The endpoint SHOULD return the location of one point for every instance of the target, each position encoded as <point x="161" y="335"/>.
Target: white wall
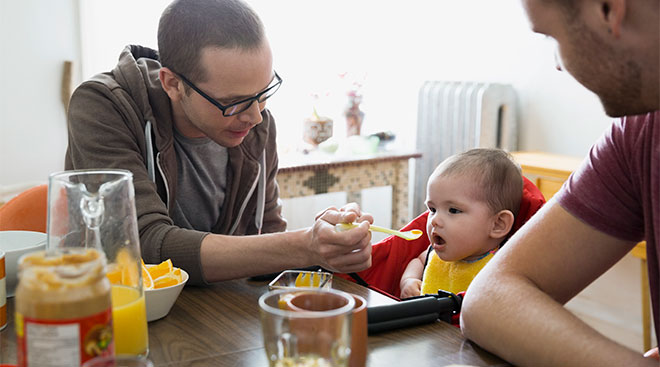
<point x="401" y="44"/>
<point x="36" y="37"/>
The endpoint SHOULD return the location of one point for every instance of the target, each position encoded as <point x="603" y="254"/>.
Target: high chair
<point x="27" y="211"/>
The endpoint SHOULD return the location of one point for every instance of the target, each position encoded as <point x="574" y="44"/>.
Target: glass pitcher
<point x="96" y="209"/>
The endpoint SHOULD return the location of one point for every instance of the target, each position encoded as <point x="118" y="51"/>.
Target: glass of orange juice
<point x="96" y="209"/>
<point x="129" y="320"/>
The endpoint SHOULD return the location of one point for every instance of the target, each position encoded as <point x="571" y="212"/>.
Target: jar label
<point x="69" y="342"/>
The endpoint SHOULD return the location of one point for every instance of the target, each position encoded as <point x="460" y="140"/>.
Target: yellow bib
<point x="452" y="276"/>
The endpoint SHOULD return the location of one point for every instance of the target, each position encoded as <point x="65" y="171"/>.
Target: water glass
<point x="319" y="335"/>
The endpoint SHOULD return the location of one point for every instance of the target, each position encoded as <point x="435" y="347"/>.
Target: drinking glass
<point x="96" y="209"/>
<point x="318" y="335"/>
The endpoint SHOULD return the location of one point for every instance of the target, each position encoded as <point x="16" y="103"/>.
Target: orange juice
<point x="129" y="321"/>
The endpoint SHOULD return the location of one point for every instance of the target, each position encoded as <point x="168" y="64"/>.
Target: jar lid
<point x="61" y="269"/>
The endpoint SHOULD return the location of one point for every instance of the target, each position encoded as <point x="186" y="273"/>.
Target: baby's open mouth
<point x="437" y="239"/>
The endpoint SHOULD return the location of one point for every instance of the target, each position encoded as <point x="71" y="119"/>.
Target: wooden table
<point x="219" y="326"/>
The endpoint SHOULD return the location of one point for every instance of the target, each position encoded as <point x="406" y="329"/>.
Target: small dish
<point x="16" y="244"/>
<point x="291" y="279"/>
<point x="160" y="301"/>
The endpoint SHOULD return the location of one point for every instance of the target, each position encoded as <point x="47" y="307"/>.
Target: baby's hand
<point x="411" y="287"/>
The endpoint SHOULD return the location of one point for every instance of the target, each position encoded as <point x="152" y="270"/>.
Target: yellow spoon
<point x="407" y="235"/>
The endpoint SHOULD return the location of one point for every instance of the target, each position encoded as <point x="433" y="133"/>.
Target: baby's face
<point x="458" y="224"/>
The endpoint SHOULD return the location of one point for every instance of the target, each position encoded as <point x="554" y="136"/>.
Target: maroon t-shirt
<point x="617" y="190"/>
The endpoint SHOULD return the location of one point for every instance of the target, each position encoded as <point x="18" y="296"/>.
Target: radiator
<point x="456" y="116"/>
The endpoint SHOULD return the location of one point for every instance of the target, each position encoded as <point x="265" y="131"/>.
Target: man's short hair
<point x="188" y="26"/>
<point x="496" y="174"/>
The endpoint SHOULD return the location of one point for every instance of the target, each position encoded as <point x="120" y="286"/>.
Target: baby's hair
<point x="495" y="172"/>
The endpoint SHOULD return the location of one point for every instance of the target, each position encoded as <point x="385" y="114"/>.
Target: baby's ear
<point x="502" y="223"/>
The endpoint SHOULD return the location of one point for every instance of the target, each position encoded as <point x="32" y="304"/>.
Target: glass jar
<point x="63" y="308"/>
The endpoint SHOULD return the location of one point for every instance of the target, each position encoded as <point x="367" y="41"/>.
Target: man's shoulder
<point x="629" y="139"/>
<point x="607" y="191"/>
<point x="633" y="127"/>
<point x="136" y="74"/>
<point x="102" y="81"/>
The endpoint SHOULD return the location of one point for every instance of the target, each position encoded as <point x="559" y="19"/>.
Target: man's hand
<point x="347" y="209"/>
<point x="347" y="251"/>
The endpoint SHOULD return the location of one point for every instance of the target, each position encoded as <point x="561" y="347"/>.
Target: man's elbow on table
<point x="479" y="310"/>
<point x="470" y="311"/>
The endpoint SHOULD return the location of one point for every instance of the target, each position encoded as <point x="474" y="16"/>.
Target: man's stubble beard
<point x="611" y="74"/>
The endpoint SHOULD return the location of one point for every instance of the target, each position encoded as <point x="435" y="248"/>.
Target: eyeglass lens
<point x="236" y="109"/>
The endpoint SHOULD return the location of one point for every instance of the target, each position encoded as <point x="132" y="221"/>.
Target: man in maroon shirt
<point x="514" y="307"/>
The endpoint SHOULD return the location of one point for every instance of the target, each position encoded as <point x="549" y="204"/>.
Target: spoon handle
<point x="384" y="230"/>
<point x="346" y="226"/>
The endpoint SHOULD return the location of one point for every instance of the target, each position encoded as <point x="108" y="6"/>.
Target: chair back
<point x="27" y="211"/>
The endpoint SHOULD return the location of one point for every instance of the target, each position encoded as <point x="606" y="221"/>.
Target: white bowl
<point x="160" y="301"/>
<point x="16" y="244"/>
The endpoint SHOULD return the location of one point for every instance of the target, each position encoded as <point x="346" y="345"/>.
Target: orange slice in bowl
<point x="124" y="270"/>
<point x="166" y="280"/>
<point x="177" y="273"/>
<point x="161" y="269"/>
<point x="162" y="275"/>
<point x="147" y="281"/>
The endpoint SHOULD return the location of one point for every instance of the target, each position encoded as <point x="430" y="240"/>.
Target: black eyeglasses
<point x="242" y="105"/>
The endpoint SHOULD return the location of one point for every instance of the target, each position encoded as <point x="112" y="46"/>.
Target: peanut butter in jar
<point x="63" y="308"/>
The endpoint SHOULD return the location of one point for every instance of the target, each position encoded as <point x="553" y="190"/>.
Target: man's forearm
<point x="512" y="318"/>
<point x="230" y="257"/>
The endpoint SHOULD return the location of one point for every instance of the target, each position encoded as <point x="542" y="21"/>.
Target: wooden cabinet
<point x="549" y="171"/>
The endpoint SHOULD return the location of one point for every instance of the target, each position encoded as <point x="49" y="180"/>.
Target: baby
<point x="472" y="198"/>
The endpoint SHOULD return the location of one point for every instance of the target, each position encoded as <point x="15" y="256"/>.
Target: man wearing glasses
<point x="190" y="121"/>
